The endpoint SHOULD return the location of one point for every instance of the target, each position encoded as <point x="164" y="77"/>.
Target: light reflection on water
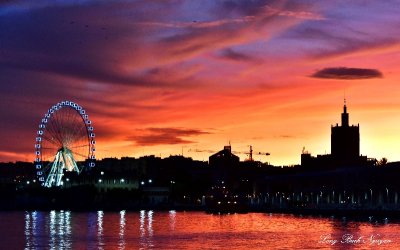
<point x="121" y="243"/>
<point x="189" y="230"/>
<point x="100" y="215"/>
<point x="146" y="229"/>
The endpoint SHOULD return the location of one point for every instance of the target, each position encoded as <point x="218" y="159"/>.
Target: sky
<point x="171" y="77"/>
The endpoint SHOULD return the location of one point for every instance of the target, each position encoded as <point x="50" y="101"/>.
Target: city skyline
<point x="172" y="77"/>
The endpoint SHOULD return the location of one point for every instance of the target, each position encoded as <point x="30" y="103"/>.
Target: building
<point x="224" y="165"/>
<point x="224" y="159"/>
<point x="345" y="141"/>
<point x="345" y="148"/>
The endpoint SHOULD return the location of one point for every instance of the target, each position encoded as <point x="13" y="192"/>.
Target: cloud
<point x="285" y="136"/>
<point x="196" y="150"/>
<point x="163" y="136"/>
<point x="199" y="24"/>
<point x="233" y="55"/>
<point x="347" y="73"/>
<point x="295" y="14"/>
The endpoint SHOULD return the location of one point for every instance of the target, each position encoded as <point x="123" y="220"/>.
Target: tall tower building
<point x="345" y="141"/>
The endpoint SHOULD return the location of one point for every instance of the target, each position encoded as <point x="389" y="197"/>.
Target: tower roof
<point x="345" y="115"/>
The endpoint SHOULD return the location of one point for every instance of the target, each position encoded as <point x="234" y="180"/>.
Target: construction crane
<point x="250" y="153"/>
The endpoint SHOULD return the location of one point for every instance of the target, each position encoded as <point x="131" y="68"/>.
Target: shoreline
<point x="348" y="214"/>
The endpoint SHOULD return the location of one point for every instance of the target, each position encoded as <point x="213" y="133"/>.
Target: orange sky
<point x="164" y="78"/>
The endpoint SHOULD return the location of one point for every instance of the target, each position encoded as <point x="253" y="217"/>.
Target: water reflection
<point x="121" y="242"/>
<point x="100" y="215"/>
<point x="54" y="226"/>
<point x="150" y="223"/>
<point x="172" y="219"/>
<point x="52" y="229"/>
<point x="146" y="229"/>
<point x="30" y="229"/>
<point x="192" y="230"/>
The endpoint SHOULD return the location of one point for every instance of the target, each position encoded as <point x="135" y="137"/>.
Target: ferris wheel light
<point x="63" y="128"/>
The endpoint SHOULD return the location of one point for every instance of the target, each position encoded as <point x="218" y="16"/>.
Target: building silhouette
<point x="224" y="165"/>
<point x="345" y="147"/>
<point x="224" y="159"/>
<point x="345" y="141"/>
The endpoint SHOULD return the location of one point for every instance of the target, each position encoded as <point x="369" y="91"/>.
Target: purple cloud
<point x="347" y="73"/>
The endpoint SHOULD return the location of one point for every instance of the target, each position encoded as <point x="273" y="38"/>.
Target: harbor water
<point x="148" y="229"/>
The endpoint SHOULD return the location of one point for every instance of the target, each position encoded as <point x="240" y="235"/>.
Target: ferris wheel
<point x="65" y="142"/>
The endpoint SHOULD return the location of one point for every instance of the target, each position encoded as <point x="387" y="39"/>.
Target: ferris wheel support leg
<point x="74" y="163"/>
<point x="53" y="171"/>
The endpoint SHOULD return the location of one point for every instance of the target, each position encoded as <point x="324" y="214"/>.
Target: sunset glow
<point x="170" y="77"/>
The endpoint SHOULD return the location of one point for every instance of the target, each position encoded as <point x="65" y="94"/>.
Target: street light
<point x="371" y="194"/>
<point x="387" y="195"/>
